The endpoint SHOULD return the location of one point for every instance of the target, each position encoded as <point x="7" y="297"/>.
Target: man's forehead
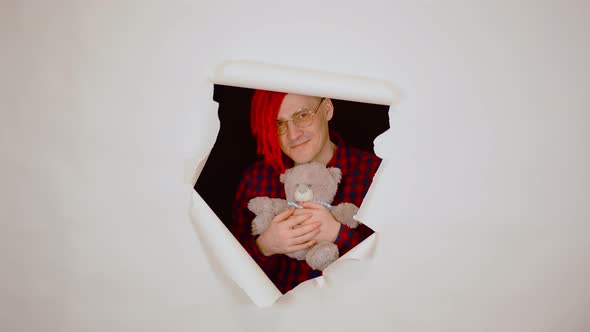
<point x="293" y="103"/>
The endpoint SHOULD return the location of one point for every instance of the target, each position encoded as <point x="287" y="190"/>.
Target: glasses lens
<point x="282" y="127"/>
<point x="303" y="119"/>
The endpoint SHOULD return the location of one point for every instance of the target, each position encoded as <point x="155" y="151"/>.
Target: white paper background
<point x="484" y="193"/>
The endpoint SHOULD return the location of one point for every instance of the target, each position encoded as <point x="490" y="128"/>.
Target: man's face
<point x="312" y="142"/>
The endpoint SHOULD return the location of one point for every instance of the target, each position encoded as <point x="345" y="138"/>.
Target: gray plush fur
<point x="306" y="182"/>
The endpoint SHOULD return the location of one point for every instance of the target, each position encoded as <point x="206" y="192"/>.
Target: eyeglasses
<point x="300" y="119"/>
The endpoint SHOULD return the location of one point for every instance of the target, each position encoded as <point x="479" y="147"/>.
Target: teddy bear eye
<point x="309" y="186"/>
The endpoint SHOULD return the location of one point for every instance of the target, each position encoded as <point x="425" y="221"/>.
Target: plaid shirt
<point x="260" y="179"/>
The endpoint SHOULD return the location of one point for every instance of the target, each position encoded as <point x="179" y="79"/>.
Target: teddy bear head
<point x="311" y="182"/>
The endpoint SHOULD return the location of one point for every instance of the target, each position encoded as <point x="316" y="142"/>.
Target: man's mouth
<point x="298" y="145"/>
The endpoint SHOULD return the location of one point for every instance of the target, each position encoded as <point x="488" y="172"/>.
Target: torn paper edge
<point x="230" y="256"/>
<point x="223" y="247"/>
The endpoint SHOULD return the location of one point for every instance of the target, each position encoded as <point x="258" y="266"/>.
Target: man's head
<point x="294" y="124"/>
<point x="303" y="128"/>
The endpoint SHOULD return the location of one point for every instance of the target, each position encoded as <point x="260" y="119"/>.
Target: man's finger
<point x="295" y="220"/>
<point x="305" y="237"/>
<point x="301" y="246"/>
<point x="312" y="205"/>
<point x="284" y="215"/>
<point x="302" y="211"/>
<point x="298" y="231"/>
<point x="306" y="222"/>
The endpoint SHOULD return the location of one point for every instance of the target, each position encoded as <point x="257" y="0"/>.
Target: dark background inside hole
<point x="235" y="149"/>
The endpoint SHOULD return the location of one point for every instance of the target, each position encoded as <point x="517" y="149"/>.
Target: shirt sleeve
<point x="366" y="168"/>
<point x="348" y="237"/>
<point x="241" y="226"/>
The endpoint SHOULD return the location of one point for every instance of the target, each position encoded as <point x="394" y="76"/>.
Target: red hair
<point x="264" y="110"/>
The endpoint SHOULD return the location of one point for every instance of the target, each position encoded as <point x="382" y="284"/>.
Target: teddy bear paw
<point x="344" y="213"/>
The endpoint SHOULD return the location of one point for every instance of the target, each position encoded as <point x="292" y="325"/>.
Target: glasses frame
<point x="311" y="113"/>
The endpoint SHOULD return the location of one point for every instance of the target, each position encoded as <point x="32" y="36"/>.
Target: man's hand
<point x="329" y="228"/>
<point x="286" y="234"/>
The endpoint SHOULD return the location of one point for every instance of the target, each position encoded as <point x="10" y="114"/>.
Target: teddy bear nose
<point x="303" y="193"/>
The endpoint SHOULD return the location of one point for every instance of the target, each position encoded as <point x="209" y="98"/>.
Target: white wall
<point x="483" y="197"/>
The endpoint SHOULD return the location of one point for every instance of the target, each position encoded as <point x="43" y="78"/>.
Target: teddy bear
<point x="304" y="183"/>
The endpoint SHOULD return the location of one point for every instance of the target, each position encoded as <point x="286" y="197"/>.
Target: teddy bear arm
<point x="344" y="213"/>
<point x="261" y="204"/>
<point x="261" y="222"/>
<point x="279" y="205"/>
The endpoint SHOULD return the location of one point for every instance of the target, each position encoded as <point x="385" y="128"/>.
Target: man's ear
<point x="329" y="107"/>
<point x="335" y="173"/>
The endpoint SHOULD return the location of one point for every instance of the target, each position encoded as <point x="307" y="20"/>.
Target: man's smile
<point x="299" y="145"/>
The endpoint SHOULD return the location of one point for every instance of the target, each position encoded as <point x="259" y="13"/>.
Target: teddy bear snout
<point x="303" y="193"/>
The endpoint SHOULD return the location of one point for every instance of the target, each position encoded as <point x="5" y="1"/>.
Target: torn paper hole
<point x="223" y="248"/>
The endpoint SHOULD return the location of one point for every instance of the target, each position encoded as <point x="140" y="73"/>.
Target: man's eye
<point x="302" y="115"/>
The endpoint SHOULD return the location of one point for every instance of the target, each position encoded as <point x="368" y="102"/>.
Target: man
<point x="293" y="129"/>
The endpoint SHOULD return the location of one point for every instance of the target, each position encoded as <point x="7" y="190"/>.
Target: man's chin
<point x="300" y="159"/>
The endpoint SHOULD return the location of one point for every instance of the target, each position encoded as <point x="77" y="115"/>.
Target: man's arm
<point x="333" y="231"/>
<point x="241" y="226"/>
<point x="361" y="173"/>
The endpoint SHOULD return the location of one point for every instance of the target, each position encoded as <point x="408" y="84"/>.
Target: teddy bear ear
<point x="335" y="173"/>
<point x="283" y="177"/>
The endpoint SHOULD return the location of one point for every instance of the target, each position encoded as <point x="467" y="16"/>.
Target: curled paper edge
<point x="229" y="254"/>
<point x="255" y="75"/>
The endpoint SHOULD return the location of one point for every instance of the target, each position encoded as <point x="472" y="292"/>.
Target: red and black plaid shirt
<point x="260" y="179"/>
